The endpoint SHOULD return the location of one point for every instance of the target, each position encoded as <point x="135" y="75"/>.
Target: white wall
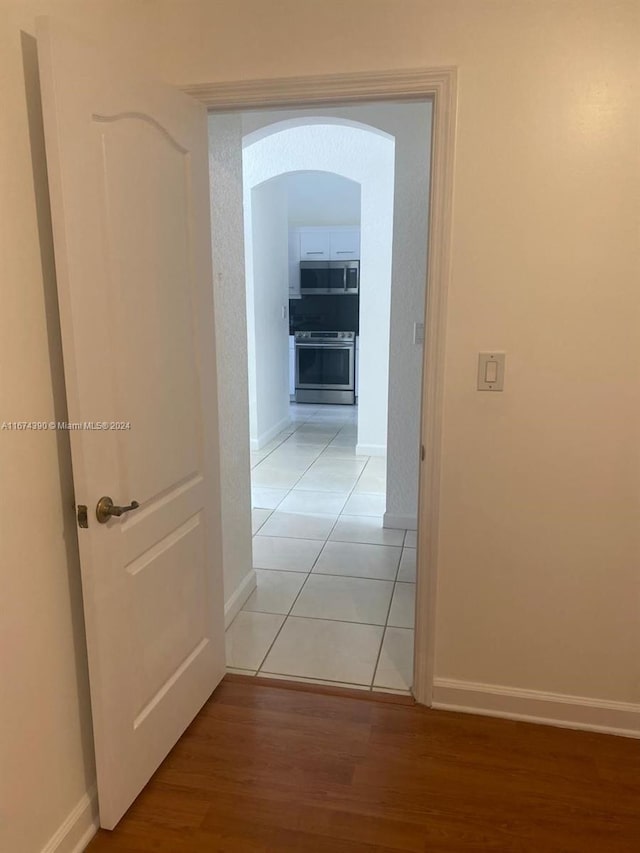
<point x="321" y="198"/>
<point x="365" y="157"/>
<point x="548" y="132"/>
<point x="267" y="289"/>
<point x="225" y="178"/>
<point x="410" y="125"/>
<point x="46" y="748"/>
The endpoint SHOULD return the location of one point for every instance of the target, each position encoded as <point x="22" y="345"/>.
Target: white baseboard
<point x="259" y="442"/>
<point x="400" y="522"/>
<point x="238" y="597"/>
<point x="554" y="709"/>
<point x="78" y="828"/>
<point x="371" y="449"/>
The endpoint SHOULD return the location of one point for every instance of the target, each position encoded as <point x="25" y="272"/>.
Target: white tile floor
<point x="335" y="597"/>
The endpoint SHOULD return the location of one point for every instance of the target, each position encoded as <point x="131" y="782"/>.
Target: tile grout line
<point x="386" y="621"/>
<point x="280" y="443"/>
<point x="301" y="475"/>
<point x="338" y="517"/>
<point x="288" y="614"/>
<point x="288" y="491"/>
<point x="349" y="494"/>
<point x="332" y="574"/>
<point x="326" y="539"/>
<point x="258" y="530"/>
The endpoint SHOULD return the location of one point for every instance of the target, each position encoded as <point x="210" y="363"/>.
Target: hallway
<point x="335" y="596"/>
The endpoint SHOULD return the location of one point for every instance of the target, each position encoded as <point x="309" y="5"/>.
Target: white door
<point x="128" y="175"/>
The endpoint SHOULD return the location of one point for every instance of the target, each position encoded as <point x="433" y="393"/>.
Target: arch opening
<point x="283" y="165"/>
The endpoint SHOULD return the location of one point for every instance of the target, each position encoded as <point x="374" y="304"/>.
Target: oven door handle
<point x="326" y="346"/>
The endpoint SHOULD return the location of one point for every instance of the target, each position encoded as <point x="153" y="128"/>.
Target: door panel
<point x="128" y="174"/>
<point x="314" y="245"/>
<point x="147" y="258"/>
<point x="168" y="610"/>
<point x="344" y="245"/>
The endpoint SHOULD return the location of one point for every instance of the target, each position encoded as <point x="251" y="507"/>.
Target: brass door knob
<point x="106" y="509"/>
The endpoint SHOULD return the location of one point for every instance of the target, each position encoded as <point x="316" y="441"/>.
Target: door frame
<point x="438" y="85"/>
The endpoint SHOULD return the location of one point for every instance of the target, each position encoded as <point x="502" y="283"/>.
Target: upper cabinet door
<point x="344" y="245"/>
<point x="314" y="245"/>
<point x="128" y="173"/>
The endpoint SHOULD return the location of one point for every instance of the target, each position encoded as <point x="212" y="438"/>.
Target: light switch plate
<point x="418" y="333"/>
<point x="491" y="371"/>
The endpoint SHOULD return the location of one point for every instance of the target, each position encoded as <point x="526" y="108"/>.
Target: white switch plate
<point x="418" y="333"/>
<point x="490" y="365"/>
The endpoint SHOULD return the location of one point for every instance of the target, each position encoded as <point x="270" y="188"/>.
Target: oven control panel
<point x="325" y="336"/>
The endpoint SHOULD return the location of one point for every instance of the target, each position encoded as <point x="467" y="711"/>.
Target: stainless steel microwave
<point x="329" y="277"/>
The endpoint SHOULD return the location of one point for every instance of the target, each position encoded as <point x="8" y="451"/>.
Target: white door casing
<point x="438" y="85"/>
<point x="128" y="175"/>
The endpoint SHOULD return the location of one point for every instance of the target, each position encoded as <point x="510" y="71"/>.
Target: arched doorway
<point x="363" y="155"/>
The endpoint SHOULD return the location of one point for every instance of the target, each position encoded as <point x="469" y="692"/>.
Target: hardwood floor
<point x="264" y="768"/>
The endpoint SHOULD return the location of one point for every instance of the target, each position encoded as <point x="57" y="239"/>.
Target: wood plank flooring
<point x="264" y="768"/>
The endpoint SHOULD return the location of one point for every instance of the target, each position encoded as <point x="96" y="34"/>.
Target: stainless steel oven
<point x="325" y="367"/>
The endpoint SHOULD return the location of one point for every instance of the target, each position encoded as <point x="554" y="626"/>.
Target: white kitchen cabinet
<point x="292" y="367"/>
<point x="344" y="245"/>
<point x="357" y="376"/>
<point x="315" y="245"/>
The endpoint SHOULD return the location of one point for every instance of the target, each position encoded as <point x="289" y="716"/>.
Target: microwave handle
<point x="344" y="279"/>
